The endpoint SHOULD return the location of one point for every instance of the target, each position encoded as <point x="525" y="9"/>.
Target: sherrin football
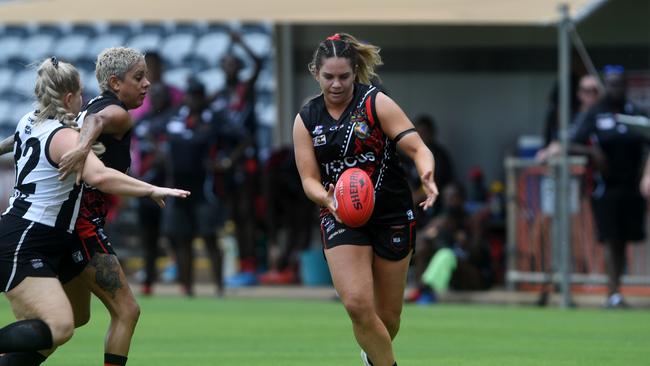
<point x="354" y="194"/>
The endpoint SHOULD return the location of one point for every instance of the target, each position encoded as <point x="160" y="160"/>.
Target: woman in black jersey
<point x="93" y="266"/>
<point x="36" y="231"/>
<point x="352" y="124"/>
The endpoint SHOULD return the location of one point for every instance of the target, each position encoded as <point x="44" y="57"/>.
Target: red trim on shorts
<point x="85" y="229"/>
<point x="411" y="227"/>
<point x="83" y="243"/>
<point x="102" y="245"/>
<point x="322" y="237"/>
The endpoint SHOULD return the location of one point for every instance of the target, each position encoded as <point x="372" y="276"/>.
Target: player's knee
<point x="391" y="320"/>
<point x="62" y="328"/>
<point x="359" y="308"/>
<point x="128" y="311"/>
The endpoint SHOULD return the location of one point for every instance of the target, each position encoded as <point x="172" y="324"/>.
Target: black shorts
<point x="30" y="249"/>
<point x="389" y="241"/>
<point x="620" y="215"/>
<point x="91" y="239"/>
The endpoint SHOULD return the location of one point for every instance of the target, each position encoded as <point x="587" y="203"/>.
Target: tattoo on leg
<point x="107" y="274"/>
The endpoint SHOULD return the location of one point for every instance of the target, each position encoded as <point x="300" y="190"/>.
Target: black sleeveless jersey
<point x="118" y="152"/>
<point x="357" y="140"/>
<point x="94" y="204"/>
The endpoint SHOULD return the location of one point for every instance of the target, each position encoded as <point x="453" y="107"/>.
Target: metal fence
<point x="532" y="252"/>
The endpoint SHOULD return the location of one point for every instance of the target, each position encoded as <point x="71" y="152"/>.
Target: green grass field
<point x="205" y="331"/>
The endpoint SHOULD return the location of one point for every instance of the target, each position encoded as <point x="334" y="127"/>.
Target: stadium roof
<point x="450" y="12"/>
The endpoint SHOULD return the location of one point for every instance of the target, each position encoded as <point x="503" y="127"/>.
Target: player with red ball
<point x="350" y="126"/>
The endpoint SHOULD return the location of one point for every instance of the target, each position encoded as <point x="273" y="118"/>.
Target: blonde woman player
<point x="36" y="230"/>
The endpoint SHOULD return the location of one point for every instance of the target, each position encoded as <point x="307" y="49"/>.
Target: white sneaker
<point x="615" y="301"/>
<point x="364" y="358"/>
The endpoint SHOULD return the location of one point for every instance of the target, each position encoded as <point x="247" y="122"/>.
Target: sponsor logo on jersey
<point x="337" y="166"/>
<point x="320" y="140"/>
<point x="361" y="130"/>
<point x="28" y="130"/>
<point x="317" y="130"/>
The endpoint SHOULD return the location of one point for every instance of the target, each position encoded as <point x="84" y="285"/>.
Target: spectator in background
<point x="617" y="155"/>
<point x="588" y="94"/>
<point x="551" y="121"/>
<point x="462" y="257"/>
<point x="444" y="174"/>
<point x="456" y="250"/>
<point x="149" y="166"/>
<point x="619" y="208"/>
<point x="287" y="208"/>
<point x="155" y="69"/>
<point x="237" y="161"/>
<point x="190" y="139"/>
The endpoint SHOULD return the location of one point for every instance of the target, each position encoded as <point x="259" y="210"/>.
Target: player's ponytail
<point x="364" y="57"/>
<point x="54" y="80"/>
<point x="367" y="59"/>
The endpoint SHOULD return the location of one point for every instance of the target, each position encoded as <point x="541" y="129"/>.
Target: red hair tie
<point x="336" y="37"/>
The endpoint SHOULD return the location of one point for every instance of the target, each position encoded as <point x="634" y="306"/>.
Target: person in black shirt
<point x="93" y="266"/>
<point x="149" y="165"/>
<point x="190" y="139"/>
<point x="617" y="153"/>
<point x="352" y="124"/>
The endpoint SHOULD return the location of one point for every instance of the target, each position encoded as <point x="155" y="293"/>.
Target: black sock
<point x="22" y="359"/>
<point x="114" y="360"/>
<point x="25" y="335"/>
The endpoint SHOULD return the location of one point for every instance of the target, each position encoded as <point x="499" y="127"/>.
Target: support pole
<point x="564" y="229"/>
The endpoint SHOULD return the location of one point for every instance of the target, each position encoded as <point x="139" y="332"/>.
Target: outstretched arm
<point x="106" y="179"/>
<point x="7" y="145"/>
<point x="111" y="181"/>
<point x="257" y="61"/>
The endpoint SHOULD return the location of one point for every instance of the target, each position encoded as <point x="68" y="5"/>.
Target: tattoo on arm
<point x="107" y="275"/>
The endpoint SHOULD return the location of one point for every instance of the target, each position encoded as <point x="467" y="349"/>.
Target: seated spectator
<point x="444" y="173"/>
<point x="461" y="259"/>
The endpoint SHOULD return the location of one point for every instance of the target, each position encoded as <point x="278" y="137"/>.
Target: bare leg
<point x="44" y="299"/>
<point x="389" y="283"/>
<point x="105" y="278"/>
<point x="352" y="272"/>
<point x="79" y="295"/>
